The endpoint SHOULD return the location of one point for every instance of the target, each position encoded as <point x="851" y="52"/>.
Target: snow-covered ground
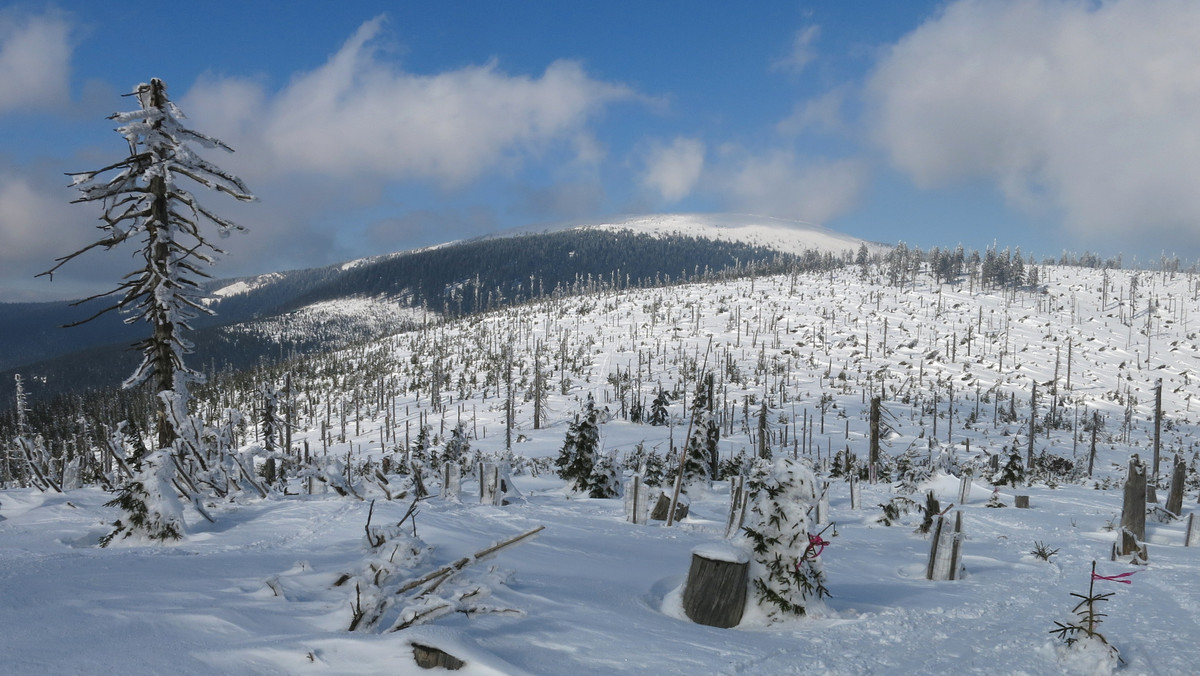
<point x="256" y="592"/>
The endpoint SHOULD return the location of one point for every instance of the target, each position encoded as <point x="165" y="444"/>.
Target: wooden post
<point x="822" y="506"/>
<point x="855" y="493"/>
<point x="964" y="489"/>
<point x="636" y="504"/>
<point x="715" y="592"/>
<point x="451" y="480"/>
<point x="1157" y="423"/>
<point x="945" y="550"/>
<point x="1032" y="425"/>
<point x="873" y="458"/>
<point x="1192" y="534"/>
<point x="738" y="499"/>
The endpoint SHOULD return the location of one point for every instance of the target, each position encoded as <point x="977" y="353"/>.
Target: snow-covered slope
<point x="257" y="592"/>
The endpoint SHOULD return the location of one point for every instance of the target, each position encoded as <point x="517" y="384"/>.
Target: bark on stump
<point x="663" y="506"/>
<point x="715" y="592"/>
<point x="1133" y="510"/>
<point x="1175" y="497"/>
<point x="428" y="657"/>
<point x="1021" y="501"/>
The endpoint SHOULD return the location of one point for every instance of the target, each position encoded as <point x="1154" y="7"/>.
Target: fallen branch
<point x="441" y="574"/>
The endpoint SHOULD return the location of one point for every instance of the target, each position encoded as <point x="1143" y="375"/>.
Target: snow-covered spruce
<point x="785" y="572"/>
<point x="150" y="510"/>
<point x="577" y="458"/>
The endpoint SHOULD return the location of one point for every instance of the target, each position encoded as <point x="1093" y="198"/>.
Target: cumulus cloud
<point x="780" y="183"/>
<point x="35" y="55"/>
<point x="1086" y="108"/>
<point x="672" y="171"/>
<point x="358" y="115"/>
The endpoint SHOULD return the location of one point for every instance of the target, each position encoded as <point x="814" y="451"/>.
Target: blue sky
<point x="371" y="127"/>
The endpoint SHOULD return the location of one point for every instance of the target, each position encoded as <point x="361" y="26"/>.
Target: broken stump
<point x="663" y="506"/>
<point x="429" y="657"/>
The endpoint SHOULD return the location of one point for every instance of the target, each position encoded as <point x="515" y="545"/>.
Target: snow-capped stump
<point x="715" y="592"/>
<point x="429" y="657"/>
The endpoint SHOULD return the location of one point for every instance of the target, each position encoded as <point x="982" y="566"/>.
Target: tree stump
<point x="1127" y="545"/>
<point x="664" y="505"/>
<point x="428" y="657"/>
<point x="1021" y="501"/>
<point x="715" y="592"/>
<point x="1133" y="509"/>
<point x="1175" y="497"/>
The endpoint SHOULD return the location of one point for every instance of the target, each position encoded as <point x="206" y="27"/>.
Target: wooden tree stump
<point x="1021" y="501"/>
<point x="1175" y="497"/>
<point x="715" y="592"/>
<point x="664" y="505"/>
<point x="428" y="657"/>
<point x="1127" y="546"/>
<point x="1133" y="509"/>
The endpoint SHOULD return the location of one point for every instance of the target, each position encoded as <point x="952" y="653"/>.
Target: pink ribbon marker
<point x="1120" y="577"/>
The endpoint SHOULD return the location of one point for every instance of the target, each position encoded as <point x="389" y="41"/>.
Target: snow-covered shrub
<point x="785" y="571"/>
<point x="150" y="508"/>
<point x="1013" y="472"/>
<point x="603" y="482"/>
<point x="895" y="509"/>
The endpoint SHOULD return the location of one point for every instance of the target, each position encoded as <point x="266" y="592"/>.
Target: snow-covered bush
<point x="603" y="481"/>
<point x="785" y="572"/>
<point x="150" y="508"/>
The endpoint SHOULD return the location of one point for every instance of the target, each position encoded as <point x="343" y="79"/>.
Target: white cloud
<point x="1088" y="108"/>
<point x="803" y="52"/>
<point x="672" y="171"/>
<point x="35" y="55"/>
<point x="822" y="114"/>
<point x="357" y="115"/>
<point x="780" y="183"/>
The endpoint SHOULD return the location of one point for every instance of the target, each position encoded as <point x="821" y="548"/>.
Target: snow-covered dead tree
<point x="143" y="201"/>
